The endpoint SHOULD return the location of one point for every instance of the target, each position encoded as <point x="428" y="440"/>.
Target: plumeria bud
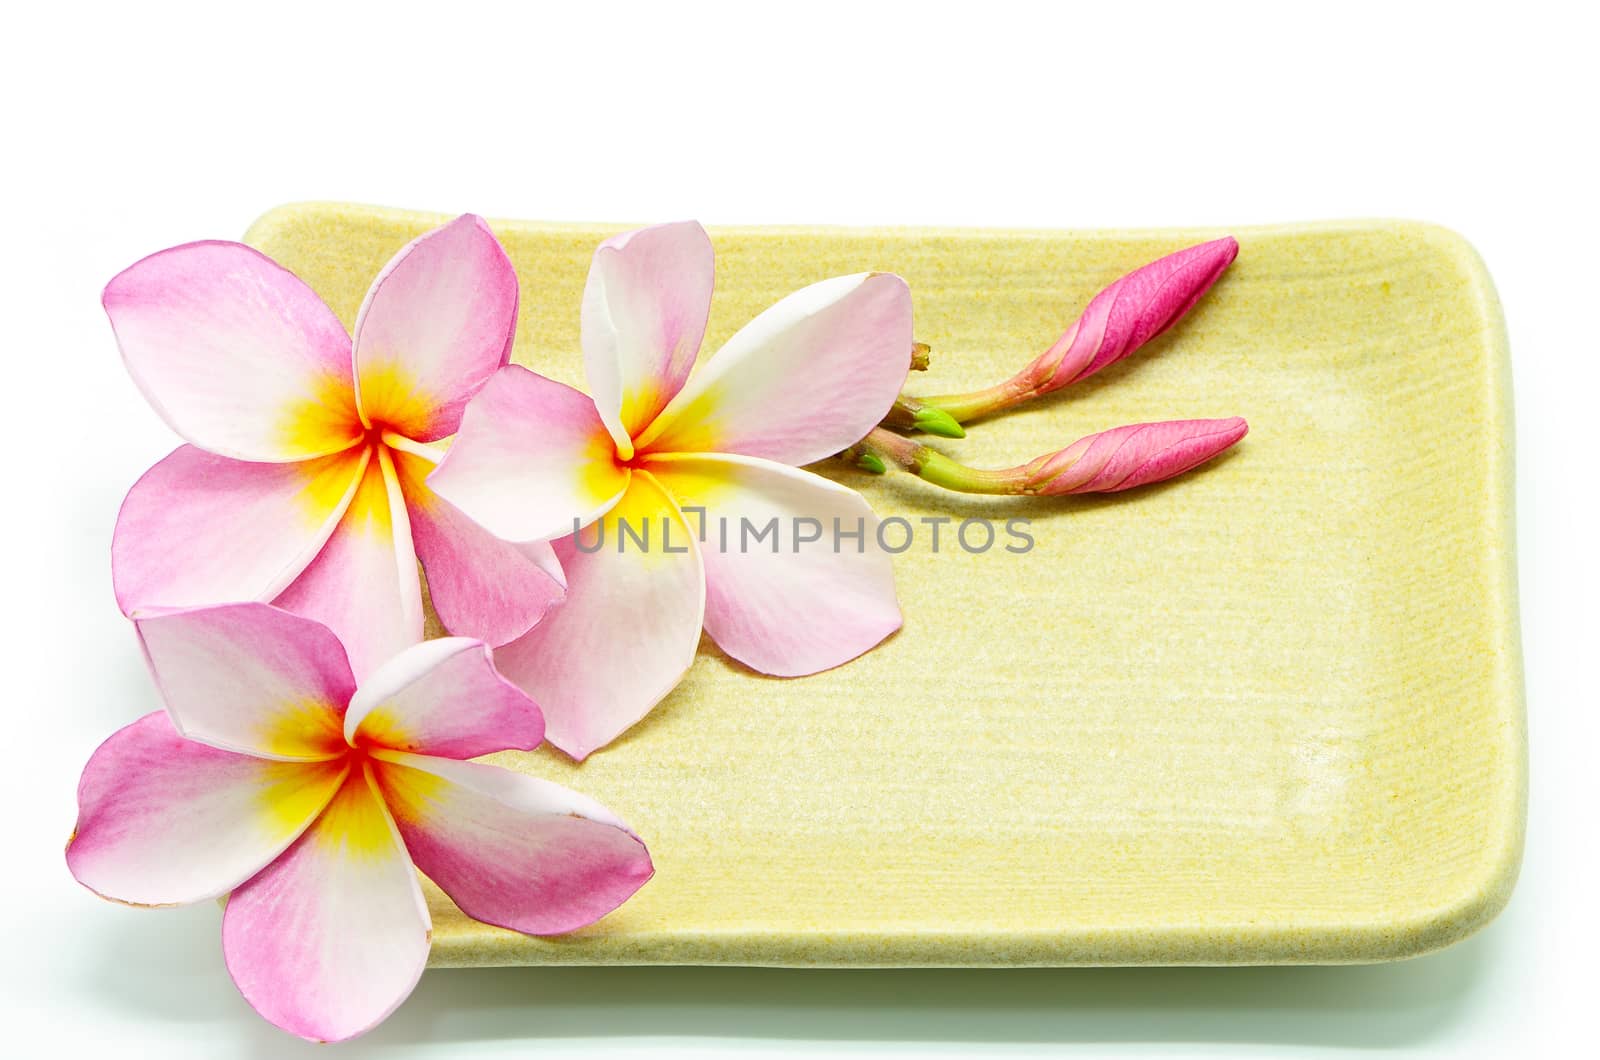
<point x="1116" y="322"/>
<point x="1131" y="312"/>
<point x="1135" y="455"/>
<point x="1118" y="459"/>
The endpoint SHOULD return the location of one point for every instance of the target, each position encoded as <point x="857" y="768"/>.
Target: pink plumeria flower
<point x="534" y="459"/>
<point x="304" y="483"/>
<point x="273" y="776"/>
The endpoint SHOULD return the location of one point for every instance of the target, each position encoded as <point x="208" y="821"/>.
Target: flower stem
<point x="916" y="413"/>
<point x="997" y="398"/>
<point x="885" y="447"/>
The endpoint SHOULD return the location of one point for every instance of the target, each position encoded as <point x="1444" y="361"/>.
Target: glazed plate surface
<point x="1270" y="712"/>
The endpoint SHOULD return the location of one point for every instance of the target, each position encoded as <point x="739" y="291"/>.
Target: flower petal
<point x="509" y="849"/>
<point x="251" y="678"/>
<point x="437" y="323"/>
<point x="203" y="529"/>
<point x="164" y="820"/>
<point x="443" y="697"/>
<point x="808" y="377"/>
<point x="628" y="630"/>
<point x="481" y="586"/>
<point x="235" y="352"/>
<point x="644" y="315"/>
<point x="796" y="581"/>
<point x="331" y="937"/>
<point x="531" y="458"/>
<point x="364" y="583"/>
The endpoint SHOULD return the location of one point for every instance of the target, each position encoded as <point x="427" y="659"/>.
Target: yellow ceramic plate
<point x="1270" y="712"/>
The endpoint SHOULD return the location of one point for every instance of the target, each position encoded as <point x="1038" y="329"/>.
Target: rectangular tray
<point x="1268" y="713"/>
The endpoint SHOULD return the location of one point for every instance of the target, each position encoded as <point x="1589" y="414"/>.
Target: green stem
<point x="966" y="407"/>
<point x="943" y="413"/>
<point x="930" y="465"/>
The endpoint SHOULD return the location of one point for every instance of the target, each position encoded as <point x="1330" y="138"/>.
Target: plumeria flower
<point x="273" y="776"/>
<point x="304" y="483"/>
<point x="1108" y="462"/>
<point x="690" y="456"/>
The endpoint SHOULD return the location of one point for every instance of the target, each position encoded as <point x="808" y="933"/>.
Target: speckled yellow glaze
<point x="1270" y="712"/>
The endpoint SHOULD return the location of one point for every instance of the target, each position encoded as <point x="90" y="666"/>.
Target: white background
<point x="129" y="130"/>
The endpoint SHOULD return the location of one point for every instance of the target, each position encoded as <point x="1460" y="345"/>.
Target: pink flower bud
<point x="1131" y="312"/>
<point x="1136" y="455"/>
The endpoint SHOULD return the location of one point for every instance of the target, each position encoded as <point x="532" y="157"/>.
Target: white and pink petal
<point x="481" y="586"/>
<point x="512" y="850"/>
<point x="236" y="353"/>
<point x="204" y="529"/>
<point x="796" y="580"/>
<point x="644" y="316"/>
<point x="808" y="377"/>
<point x="251" y="678"/>
<point x="628" y="629"/>
<point x="437" y="323"/>
<point x="532" y="459"/>
<point x="442" y="697"/>
<point x="333" y="935"/>
<point x="164" y="820"/>
<point x="364" y="583"/>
